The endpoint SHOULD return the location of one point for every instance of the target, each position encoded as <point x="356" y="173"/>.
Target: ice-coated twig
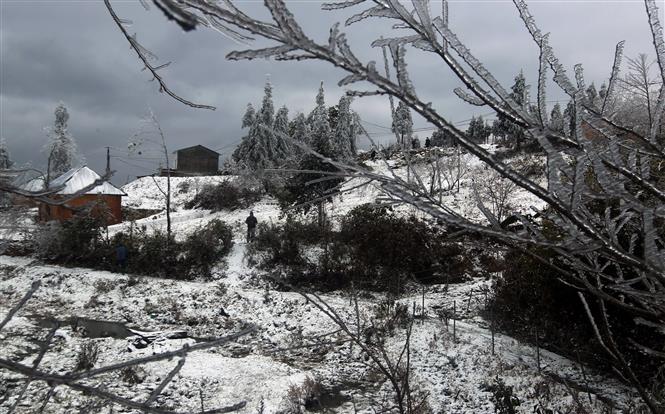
<point x="184" y="19"/>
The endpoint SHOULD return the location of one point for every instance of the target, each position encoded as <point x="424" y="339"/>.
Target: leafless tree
<point x="639" y="89"/>
<point x="613" y="253"/>
<point x="493" y="193"/>
<point x="146" y="135"/>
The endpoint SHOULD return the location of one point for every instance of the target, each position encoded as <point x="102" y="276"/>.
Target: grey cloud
<point x="72" y="51"/>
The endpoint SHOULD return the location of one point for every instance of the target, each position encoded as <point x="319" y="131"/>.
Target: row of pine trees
<point x="271" y="140"/>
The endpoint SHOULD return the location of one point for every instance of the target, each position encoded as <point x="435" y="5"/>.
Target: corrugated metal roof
<point x="79" y="178"/>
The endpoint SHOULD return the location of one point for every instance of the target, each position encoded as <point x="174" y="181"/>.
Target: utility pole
<point x="108" y="161"/>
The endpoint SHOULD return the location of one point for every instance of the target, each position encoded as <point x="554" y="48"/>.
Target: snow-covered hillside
<point x="452" y="362"/>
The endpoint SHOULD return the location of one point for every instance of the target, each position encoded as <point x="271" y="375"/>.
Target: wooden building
<point x="196" y="160"/>
<point x="78" y="192"/>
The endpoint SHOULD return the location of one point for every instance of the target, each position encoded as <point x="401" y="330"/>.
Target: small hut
<point x="196" y="160"/>
<point x="82" y="188"/>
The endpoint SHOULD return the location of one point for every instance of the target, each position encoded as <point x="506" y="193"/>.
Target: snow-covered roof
<point x="34" y="185"/>
<point x="79" y="178"/>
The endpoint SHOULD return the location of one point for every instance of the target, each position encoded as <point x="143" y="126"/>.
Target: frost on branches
<point x="5" y="159"/>
<point x="61" y="148"/>
<point x="604" y="195"/>
<point x="258" y="148"/>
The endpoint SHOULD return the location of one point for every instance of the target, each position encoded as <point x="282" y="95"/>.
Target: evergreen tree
<point x="257" y="150"/>
<point x="281" y="126"/>
<point x="441" y="138"/>
<point x="61" y="147"/>
<point x="478" y="130"/>
<point x="5" y="159"/>
<point x="502" y="127"/>
<point x="320" y="127"/>
<point x="343" y="141"/>
<point x="602" y="92"/>
<point x="556" y="119"/>
<point x="300" y="130"/>
<point x="248" y="118"/>
<point x="403" y="125"/>
<point x="592" y="94"/>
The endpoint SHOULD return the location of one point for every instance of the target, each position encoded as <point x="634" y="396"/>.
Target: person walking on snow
<point x="251" y="226"/>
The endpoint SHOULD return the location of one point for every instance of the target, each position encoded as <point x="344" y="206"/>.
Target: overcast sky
<point x="71" y="51"/>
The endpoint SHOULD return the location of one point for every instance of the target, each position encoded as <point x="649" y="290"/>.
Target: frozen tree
<point x="257" y="150"/>
<point x="344" y="135"/>
<point x="5" y="159"/>
<point x="152" y="134"/>
<point x="478" y="130"/>
<point x="301" y="131"/>
<point x="639" y="91"/>
<point x="592" y="94"/>
<point x="440" y="138"/>
<point x="320" y="126"/>
<point x="403" y="125"/>
<point x="248" y="118"/>
<point x="556" y="119"/>
<point x="282" y="148"/>
<point x="504" y="126"/>
<point x="61" y="147"/>
<point x="604" y="199"/>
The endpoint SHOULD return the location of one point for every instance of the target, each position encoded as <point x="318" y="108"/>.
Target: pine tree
<point x="556" y="118"/>
<point x="592" y="94"/>
<point x="441" y="138"/>
<point x="320" y="126"/>
<point x="257" y="149"/>
<point x="5" y="158"/>
<point x="281" y="126"/>
<point x="61" y="147"/>
<point x="403" y="125"/>
<point x="478" y="130"/>
<point x="343" y="142"/>
<point x="301" y="131"/>
<point x="248" y="118"/>
<point x="502" y="127"/>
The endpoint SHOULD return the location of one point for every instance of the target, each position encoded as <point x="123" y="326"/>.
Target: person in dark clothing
<point x="251" y="226"/>
<point x="121" y="256"/>
<point x="428" y="143"/>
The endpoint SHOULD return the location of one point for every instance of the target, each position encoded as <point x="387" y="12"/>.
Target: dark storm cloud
<point x="71" y="51"/>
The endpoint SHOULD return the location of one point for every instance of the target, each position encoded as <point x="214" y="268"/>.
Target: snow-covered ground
<point x="450" y="362"/>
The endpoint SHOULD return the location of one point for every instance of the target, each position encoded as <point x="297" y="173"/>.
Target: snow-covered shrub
<point x="87" y="356"/>
<point x="224" y="196"/>
<point x="77" y="240"/>
<point x="502" y="396"/>
<point x="133" y="375"/>
<point x="390" y="315"/>
<point x="384" y="248"/>
<point x="104" y="286"/>
<point x="284" y="243"/>
<point x="530" y="298"/>
<point x="203" y="248"/>
<point x="300" y="398"/>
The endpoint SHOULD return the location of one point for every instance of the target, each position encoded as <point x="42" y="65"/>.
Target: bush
<point x="87" y="356"/>
<point x="502" y="396"/>
<point x="374" y="249"/>
<point x="384" y="249"/>
<point x="284" y="243"/>
<point x="224" y="196"/>
<point x="530" y="297"/>
<point x="79" y="242"/>
<point x="205" y="247"/>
